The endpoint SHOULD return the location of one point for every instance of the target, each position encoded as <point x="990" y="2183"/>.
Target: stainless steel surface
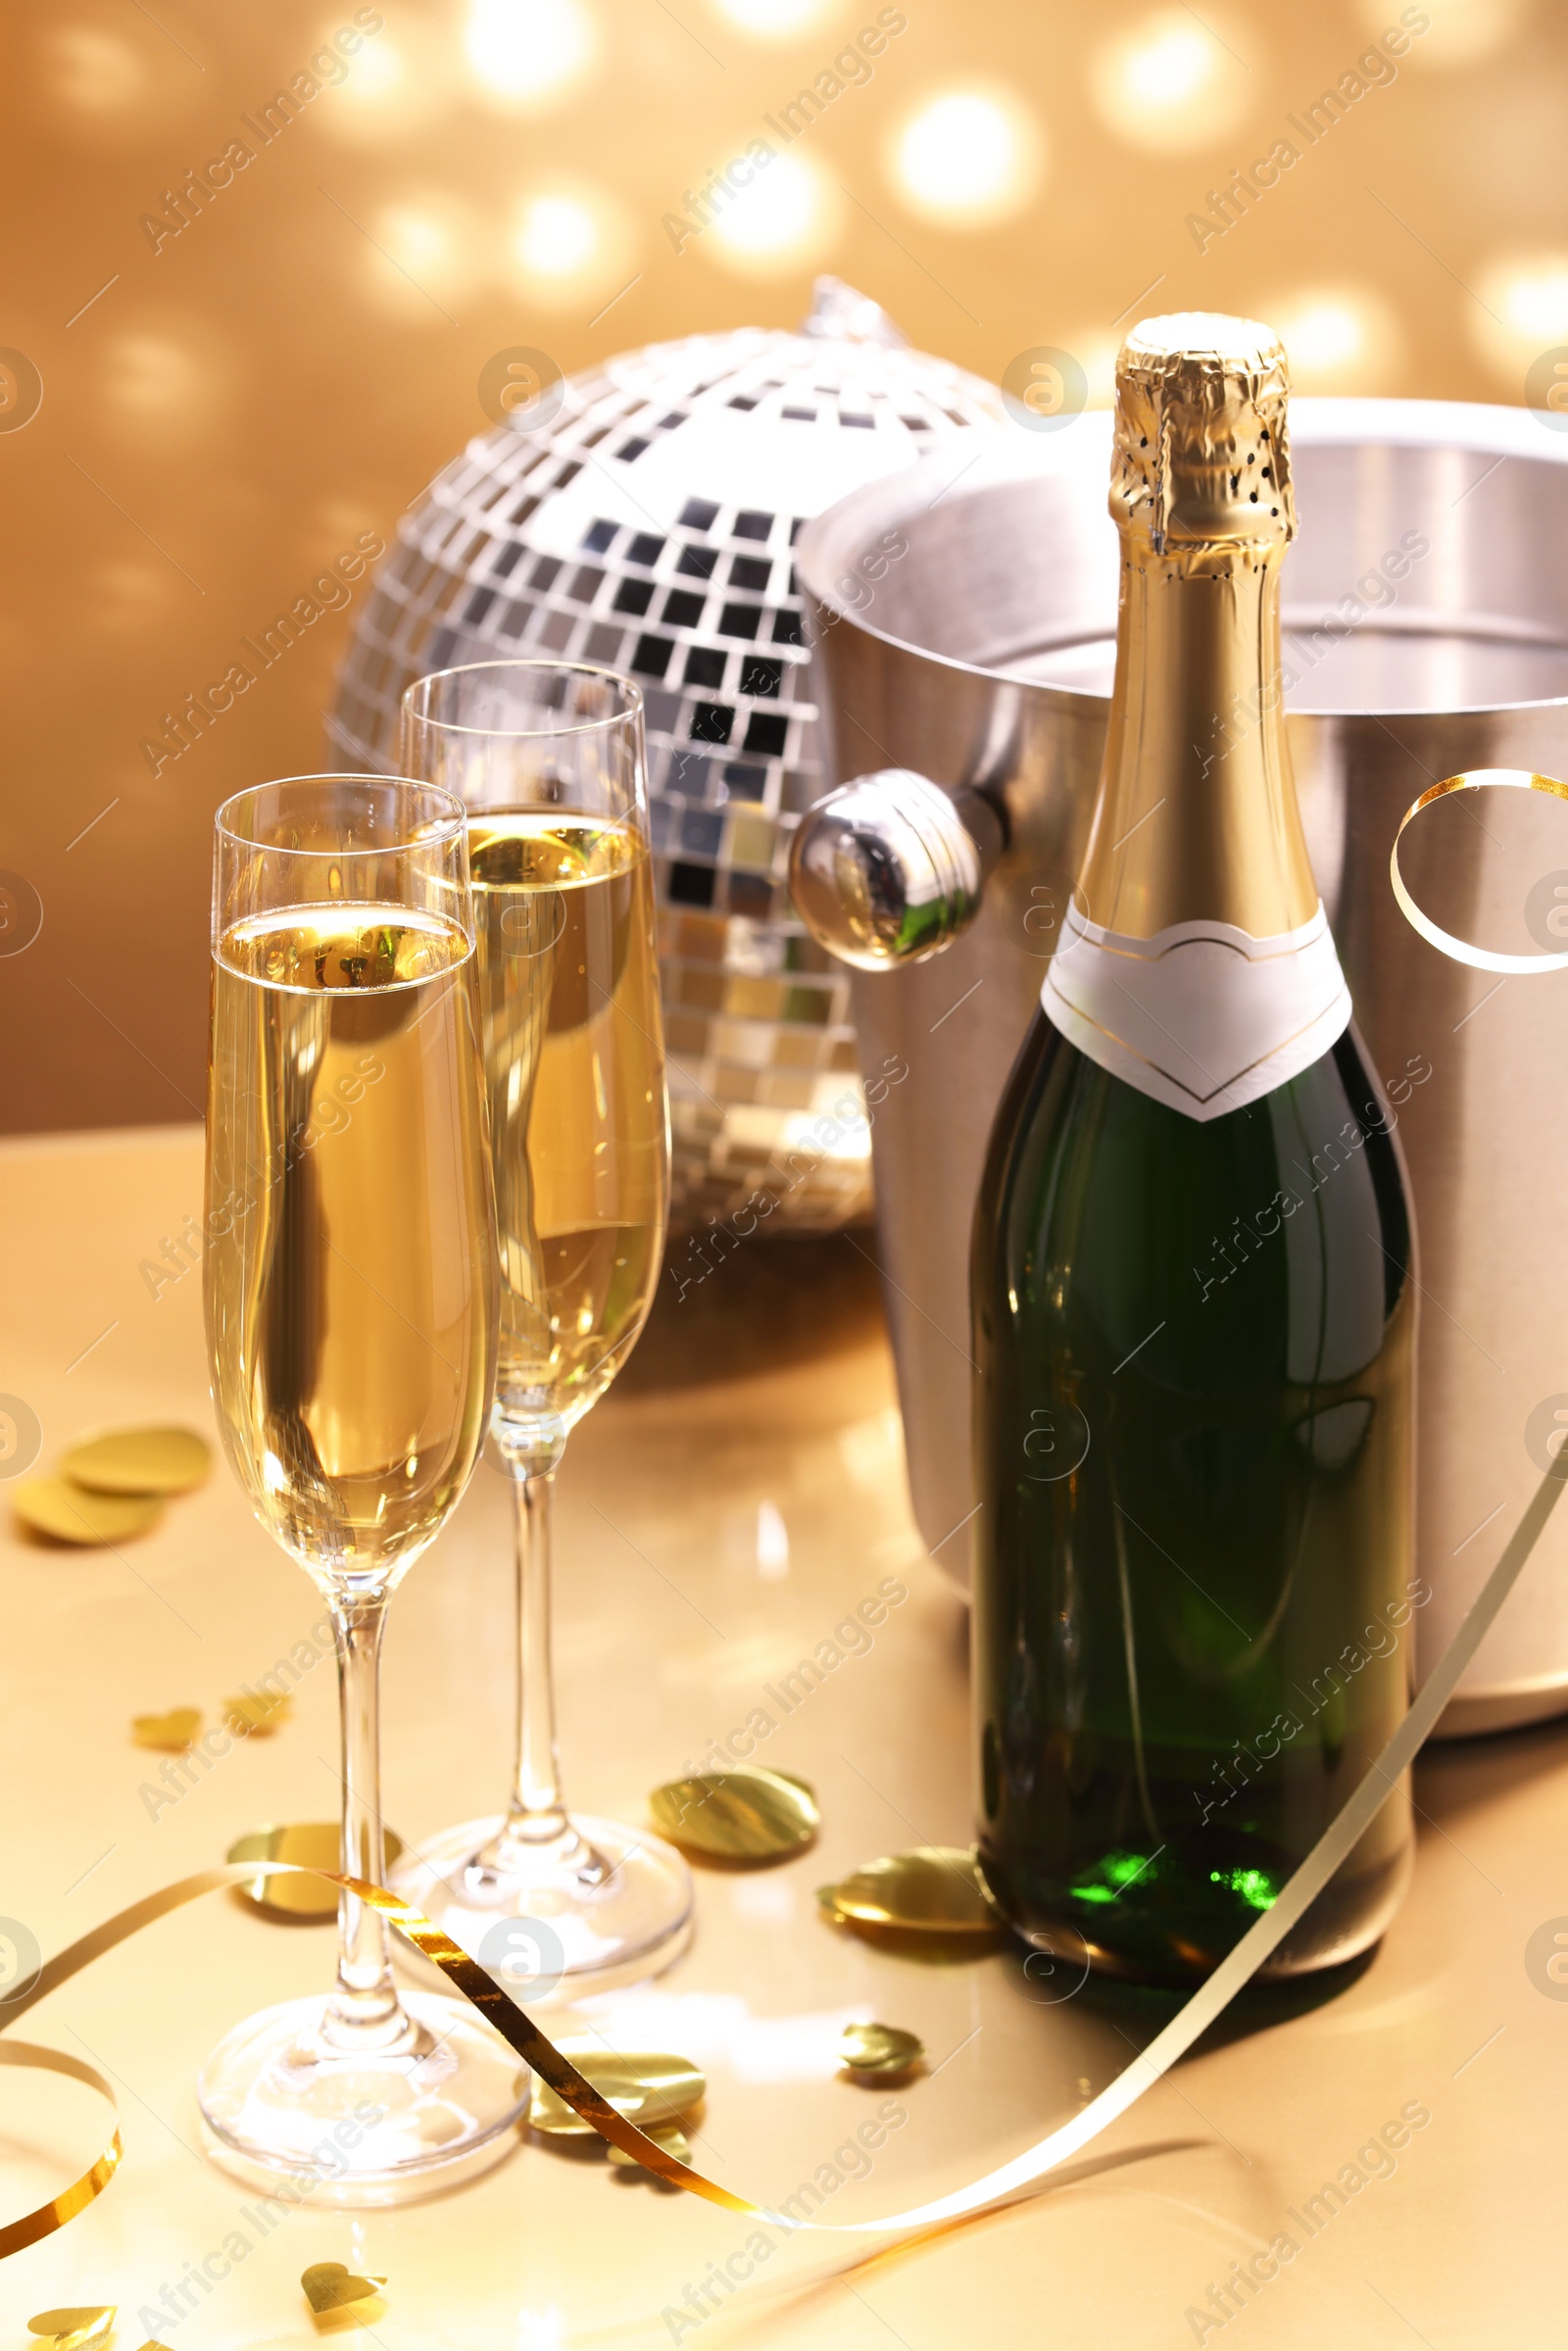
<point x="1426" y="632"/>
<point x="889" y="869"/>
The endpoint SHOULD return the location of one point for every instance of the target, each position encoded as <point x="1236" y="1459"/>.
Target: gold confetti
<point x="746" y="1818"/>
<point x="315" y="1845"/>
<point x="258" y="1714"/>
<point x="172" y="1732"/>
<point x="668" y="2135"/>
<point x="144" y="1462"/>
<point x="649" y="2086"/>
<point x="931" y="1890"/>
<point x="878" y="2052"/>
<point x="75" y="2330"/>
<point x="69" y="1514"/>
<point x="329" y="2286"/>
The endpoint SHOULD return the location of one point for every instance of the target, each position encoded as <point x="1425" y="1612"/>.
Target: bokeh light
<point x="1524" y="299"/>
<point x="1344" y="339"/>
<point x="773" y="20"/>
<point x="525" y="52"/>
<point x="1096" y="353"/>
<point x="558" y="237"/>
<point x="130" y="596"/>
<point x="570" y="245"/>
<point x="162" y="387"/>
<point x="92" y="70"/>
<point x="1172" y="85"/>
<point x="968" y="158"/>
<point x="784" y="220"/>
<point x="416" y="257"/>
<point x="1460" y="31"/>
<point x="399" y="83"/>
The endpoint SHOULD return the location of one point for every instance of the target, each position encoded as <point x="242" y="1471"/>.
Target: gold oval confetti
<point x="746" y="1818"/>
<point x="150" y="1460"/>
<point x="879" y="2052"/>
<point x="170" y="1734"/>
<point x="647" y="2086"/>
<point x="258" y="1714"/>
<point x="75" y="2330"/>
<point x="70" y="1513"/>
<point x="329" y="2285"/>
<point x="314" y="1845"/>
<point x="668" y="2135"/>
<point x="931" y="1890"/>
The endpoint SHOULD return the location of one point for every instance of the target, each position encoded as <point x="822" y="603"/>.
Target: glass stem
<point x="536" y="1814"/>
<point x="363" y="2012"/>
<point x="536" y="1831"/>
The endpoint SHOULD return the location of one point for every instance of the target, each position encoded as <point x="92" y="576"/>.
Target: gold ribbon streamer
<point x="1463" y="950"/>
<point x="1005" y="2184"/>
<point x="47" y="2218"/>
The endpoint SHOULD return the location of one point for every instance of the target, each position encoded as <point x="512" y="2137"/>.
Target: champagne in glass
<point x="351" y="1297"/>
<point x="548" y="760"/>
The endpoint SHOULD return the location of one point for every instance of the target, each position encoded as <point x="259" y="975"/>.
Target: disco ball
<point x="641" y="517"/>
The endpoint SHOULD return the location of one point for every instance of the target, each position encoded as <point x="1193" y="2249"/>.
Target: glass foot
<point x="373" y="2126"/>
<point x="599" y="1906"/>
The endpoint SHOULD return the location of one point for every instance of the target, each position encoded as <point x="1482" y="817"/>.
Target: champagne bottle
<point x="1194" y="1286"/>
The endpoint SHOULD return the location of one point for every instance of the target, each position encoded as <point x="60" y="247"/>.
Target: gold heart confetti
<point x="650" y="2087"/>
<point x="745" y="1818"/>
<point x="329" y="2286"/>
<point x="314" y="1845"/>
<point x="668" y="2135"/>
<point x="930" y="1890"/>
<point x="75" y="2330"/>
<point x="170" y="1734"/>
<point x="258" y="1714"/>
<point x="146" y="1461"/>
<point x="878" y="2052"/>
<point x="70" y="1513"/>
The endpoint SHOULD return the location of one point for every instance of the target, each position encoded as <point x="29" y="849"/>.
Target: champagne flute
<point x="351" y="1291"/>
<point x="548" y="760"/>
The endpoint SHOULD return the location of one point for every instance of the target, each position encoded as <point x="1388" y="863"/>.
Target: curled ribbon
<point x="1005" y="2184"/>
<point x="1461" y="950"/>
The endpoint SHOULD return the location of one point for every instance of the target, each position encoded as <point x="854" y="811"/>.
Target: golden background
<point x="225" y="410"/>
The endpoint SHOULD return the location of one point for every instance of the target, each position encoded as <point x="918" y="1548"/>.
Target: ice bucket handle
<point x="890" y="869"/>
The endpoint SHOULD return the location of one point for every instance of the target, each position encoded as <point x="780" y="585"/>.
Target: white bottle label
<point x="1203" y="1016"/>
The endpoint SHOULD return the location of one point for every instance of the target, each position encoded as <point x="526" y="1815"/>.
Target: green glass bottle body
<point x="1194" y="1587"/>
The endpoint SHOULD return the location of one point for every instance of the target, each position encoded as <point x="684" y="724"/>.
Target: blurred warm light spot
<point x="773" y="20"/>
<point x="523" y="52"/>
<point x="1337" y="339"/>
<point x="379" y="72"/>
<point x="93" y="69"/>
<point x="156" y="389"/>
<point x="784" y="219"/>
<point x="128" y="597"/>
<point x="1460" y="29"/>
<point x="1526" y="312"/>
<point x="397" y="82"/>
<point x="1096" y="353"/>
<point x="427" y="253"/>
<point x="571" y="246"/>
<point x="966" y="159"/>
<point x="539" y="2329"/>
<point x="557" y="236"/>
<point x="1171" y="83"/>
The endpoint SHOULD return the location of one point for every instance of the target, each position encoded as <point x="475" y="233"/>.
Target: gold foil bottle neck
<point x="1201" y="453"/>
<point x="1197" y="819"/>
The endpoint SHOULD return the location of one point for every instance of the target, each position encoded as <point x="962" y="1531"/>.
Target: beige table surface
<point x="764" y="1396"/>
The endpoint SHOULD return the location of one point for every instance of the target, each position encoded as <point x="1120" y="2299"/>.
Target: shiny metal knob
<point x="890" y="869"/>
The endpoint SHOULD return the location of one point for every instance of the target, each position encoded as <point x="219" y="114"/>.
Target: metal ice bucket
<point x="963" y="620"/>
